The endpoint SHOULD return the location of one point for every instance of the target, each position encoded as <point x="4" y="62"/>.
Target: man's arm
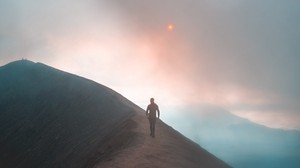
<point x="158" y="111"/>
<point x="147" y="111"/>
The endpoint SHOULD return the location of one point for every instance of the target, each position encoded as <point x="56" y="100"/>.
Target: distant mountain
<point x="53" y="119"/>
<point x="240" y="142"/>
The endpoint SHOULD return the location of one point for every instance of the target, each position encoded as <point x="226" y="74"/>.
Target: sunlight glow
<point x="170" y="27"/>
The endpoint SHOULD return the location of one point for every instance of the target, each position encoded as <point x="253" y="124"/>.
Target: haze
<point x="239" y="55"/>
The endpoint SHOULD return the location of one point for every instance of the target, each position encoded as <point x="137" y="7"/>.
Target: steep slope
<point x="49" y="118"/>
<point x="240" y="142"/>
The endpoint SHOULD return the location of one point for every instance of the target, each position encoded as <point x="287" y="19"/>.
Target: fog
<point x="241" y="56"/>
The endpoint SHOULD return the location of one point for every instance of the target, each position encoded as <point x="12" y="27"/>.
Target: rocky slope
<point x="50" y="118"/>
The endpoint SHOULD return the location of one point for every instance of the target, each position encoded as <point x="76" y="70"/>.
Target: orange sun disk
<point x="170" y="27"/>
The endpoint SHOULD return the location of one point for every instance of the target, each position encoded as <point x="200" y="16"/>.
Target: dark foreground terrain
<point x="50" y="118"/>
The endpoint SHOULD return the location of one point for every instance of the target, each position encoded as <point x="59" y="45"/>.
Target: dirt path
<point x="167" y="149"/>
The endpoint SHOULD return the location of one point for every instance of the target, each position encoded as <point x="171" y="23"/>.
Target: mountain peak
<point x="18" y="66"/>
<point x="22" y="62"/>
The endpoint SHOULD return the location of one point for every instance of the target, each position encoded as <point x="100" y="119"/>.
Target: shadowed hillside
<point x="49" y="118"/>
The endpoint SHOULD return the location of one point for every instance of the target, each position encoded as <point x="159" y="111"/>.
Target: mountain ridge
<point x="50" y="118"/>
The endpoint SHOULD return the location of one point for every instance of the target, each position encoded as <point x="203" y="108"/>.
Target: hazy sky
<point x="241" y="55"/>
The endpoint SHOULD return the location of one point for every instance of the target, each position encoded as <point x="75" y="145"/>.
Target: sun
<point x="170" y="27"/>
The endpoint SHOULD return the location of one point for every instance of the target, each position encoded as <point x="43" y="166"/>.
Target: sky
<point x="239" y="55"/>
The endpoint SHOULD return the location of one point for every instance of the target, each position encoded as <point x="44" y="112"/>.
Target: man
<point x="151" y="114"/>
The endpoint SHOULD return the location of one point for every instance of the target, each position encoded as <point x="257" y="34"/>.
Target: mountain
<point x="238" y="141"/>
<point x="52" y="119"/>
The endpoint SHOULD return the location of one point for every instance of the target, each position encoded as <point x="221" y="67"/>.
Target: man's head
<point x="152" y="100"/>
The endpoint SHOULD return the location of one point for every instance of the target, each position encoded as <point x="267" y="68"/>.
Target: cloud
<point x="240" y="55"/>
<point x="235" y="54"/>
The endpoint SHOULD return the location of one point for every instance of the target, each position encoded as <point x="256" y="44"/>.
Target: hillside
<point x="239" y="142"/>
<point x="50" y="118"/>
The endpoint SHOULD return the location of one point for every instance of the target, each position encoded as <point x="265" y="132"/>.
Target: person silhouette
<point x="151" y="110"/>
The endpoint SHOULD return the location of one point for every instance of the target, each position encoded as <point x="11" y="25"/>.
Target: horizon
<point x="240" y="56"/>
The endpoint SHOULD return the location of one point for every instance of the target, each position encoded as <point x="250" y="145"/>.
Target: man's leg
<point x="153" y="127"/>
<point x="150" y="123"/>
